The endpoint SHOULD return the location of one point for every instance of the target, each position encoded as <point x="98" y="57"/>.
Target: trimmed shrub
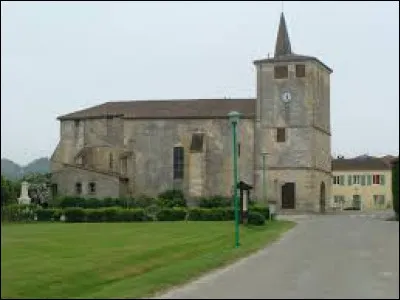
<point x="152" y="211"/>
<point x="75" y="214"/>
<point x="210" y="214"/>
<point x="48" y="214"/>
<point x="215" y="201"/>
<point x="72" y="202"/>
<point x="92" y="203"/>
<point x="255" y="218"/>
<point x="131" y="215"/>
<point x="111" y="214"/>
<point x="144" y="201"/>
<point x="109" y="202"/>
<point x="171" y="198"/>
<point x="19" y="212"/>
<point x="172" y="214"/>
<point x="57" y="214"/>
<point x="95" y="215"/>
<point x="264" y="210"/>
<point x="229" y="214"/>
<point x="197" y="214"/>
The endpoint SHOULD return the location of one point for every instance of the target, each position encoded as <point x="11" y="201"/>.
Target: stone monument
<point x="24" y="198"/>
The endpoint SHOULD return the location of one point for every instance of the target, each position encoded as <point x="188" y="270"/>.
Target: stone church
<point x="129" y="148"/>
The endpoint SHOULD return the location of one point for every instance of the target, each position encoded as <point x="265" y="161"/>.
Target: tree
<point x="39" y="187"/>
<point x="9" y="191"/>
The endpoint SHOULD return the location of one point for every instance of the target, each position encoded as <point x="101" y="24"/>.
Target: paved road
<point x="333" y="256"/>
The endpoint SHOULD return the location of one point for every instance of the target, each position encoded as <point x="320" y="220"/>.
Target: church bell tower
<point x="293" y="128"/>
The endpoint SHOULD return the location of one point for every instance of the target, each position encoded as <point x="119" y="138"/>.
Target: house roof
<point x="89" y="169"/>
<point x="167" y="109"/>
<point x="360" y="164"/>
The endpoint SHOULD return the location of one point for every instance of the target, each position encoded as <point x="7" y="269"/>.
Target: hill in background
<point x="12" y="170"/>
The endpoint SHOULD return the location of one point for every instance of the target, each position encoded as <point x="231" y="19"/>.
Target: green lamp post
<point x="234" y="117"/>
<point x="264" y="177"/>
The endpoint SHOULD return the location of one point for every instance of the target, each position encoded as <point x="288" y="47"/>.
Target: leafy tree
<point x="39" y="187"/>
<point x="9" y="191"/>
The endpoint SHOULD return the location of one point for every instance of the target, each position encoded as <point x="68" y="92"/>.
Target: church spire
<point x="282" y="46"/>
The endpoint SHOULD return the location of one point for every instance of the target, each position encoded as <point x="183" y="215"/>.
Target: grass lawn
<point x="117" y="260"/>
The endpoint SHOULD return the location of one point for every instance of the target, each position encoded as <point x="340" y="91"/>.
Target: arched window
<point x="178" y="163"/>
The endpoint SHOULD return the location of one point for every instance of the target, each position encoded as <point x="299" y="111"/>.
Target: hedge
<point x="171" y="214"/>
<point x="95" y="215"/>
<point x="264" y="210"/>
<point x="215" y="201"/>
<point x="132" y="215"/>
<point x="211" y="214"/>
<point x="18" y="212"/>
<point x="255" y="218"/>
<point x="110" y="214"/>
<point x="74" y="215"/>
<point x="48" y="214"/>
<point x="171" y="198"/>
<point x="140" y="202"/>
<point x="144" y="201"/>
<point x="115" y="214"/>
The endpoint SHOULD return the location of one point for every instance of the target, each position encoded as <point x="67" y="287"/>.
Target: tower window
<point x="238" y="150"/>
<point x="280" y="135"/>
<point x="281" y="72"/>
<point x="300" y="71"/>
<point x="178" y="162"/>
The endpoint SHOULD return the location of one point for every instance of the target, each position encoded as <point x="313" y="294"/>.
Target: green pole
<point x="235" y="182"/>
<point x="264" y="179"/>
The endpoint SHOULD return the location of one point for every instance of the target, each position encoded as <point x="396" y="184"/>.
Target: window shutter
<point x="382" y="179"/>
<point x="369" y="180"/>
<point x="349" y="179"/>
<point x="341" y="179"/>
<point x="362" y="179"/>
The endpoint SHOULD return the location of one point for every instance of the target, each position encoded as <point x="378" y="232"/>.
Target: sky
<point x="59" y="57"/>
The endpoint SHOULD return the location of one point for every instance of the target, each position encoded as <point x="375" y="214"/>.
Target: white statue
<point x="24" y="198"/>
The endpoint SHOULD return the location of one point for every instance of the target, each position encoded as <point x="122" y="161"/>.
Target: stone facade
<point x="105" y="185"/>
<point x="129" y="147"/>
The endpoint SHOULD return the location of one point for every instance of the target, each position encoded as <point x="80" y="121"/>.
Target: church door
<point x="288" y="195"/>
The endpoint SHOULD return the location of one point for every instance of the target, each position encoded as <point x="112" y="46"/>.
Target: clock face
<point x="286" y="97"/>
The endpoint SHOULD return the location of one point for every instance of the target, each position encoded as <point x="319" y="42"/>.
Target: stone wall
<point x="307" y="190"/>
<point x="305" y="156"/>
<point x="66" y="179"/>
<point x="153" y="143"/>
